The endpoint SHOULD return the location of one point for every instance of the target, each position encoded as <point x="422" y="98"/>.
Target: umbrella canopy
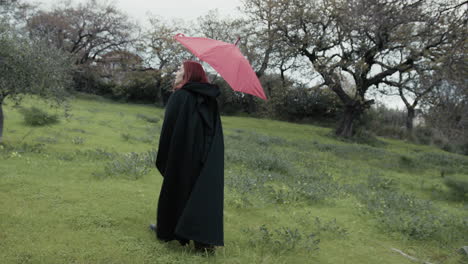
<point x="227" y="60"/>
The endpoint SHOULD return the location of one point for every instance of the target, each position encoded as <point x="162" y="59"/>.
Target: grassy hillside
<point x="84" y="191"/>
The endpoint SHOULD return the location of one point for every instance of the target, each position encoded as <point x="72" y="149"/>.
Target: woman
<point x="191" y="160"/>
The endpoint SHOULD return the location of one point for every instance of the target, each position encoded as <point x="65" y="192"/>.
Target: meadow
<point x="85" y="189"/>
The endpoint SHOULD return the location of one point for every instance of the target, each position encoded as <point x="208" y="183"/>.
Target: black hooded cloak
<point x="191" y="160"/>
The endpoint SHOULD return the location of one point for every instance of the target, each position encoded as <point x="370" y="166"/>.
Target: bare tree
<point x="447" y="104"/>
<point x="213" y="26"/>
<point x="15" y="12"/>
<point x="448" y="113"/>
<point x="162" y="51"/>
<point x="412" y="87"/>
<point x="431" y="72"/>
<point x="158" y="42"/>
<point x="86" y="30"/>
<point x="257" y="37"/>
<point x="367" y="40"/>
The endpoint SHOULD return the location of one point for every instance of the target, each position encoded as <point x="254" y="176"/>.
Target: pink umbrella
<point x="227" y="60"/>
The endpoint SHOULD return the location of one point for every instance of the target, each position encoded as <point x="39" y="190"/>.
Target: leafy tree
<point x="30" y="67"/>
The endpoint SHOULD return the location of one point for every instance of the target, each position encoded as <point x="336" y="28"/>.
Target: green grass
<point x="84" y="191"/>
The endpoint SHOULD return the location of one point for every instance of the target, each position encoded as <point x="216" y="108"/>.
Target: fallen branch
<point x="410" y="257"/>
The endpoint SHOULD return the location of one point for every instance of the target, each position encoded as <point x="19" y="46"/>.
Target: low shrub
<point x="443" y="159"/>
<point x="23" y="148"/>
<point x="416" y="218"/>
<point x="259" y="159"/>
<point x="406" y="162"/>
<point x="130" y="165"/>
<point x="36" y="117"/>
<point x="96" y="154"/>
<point x="280" y="240"/>
<point x="246" y="184"/>
<point x="458" y="187"/>
<point x="351" y="150"/>
<point x="66" y="156"/>
<point x="78" y="140"/>
<point x="77" y="130"/>
<point x="149" y="138"/>
<point x="265" y="140"/>
<point x="149" y="119"/>
<point x="49" y="140"/>
<point x="315" y="186"/>
<point x="126" y="136"/>
<point x="268" y="161"/>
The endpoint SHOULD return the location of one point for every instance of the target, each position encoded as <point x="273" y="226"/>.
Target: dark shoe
<point x="205" y="248"/>
<point x="183" y="242"/>
<point x="152" y="227"/>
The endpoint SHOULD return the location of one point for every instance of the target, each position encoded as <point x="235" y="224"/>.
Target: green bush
<point x="301" y="103"/>
<point x="406" y="161"/>
<point x="36" y="117"/>
<point x="384" y="122"/>
<point x="423" y="135"/>
<point x="458" y="187"/>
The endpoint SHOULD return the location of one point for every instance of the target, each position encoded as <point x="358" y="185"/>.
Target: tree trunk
<point x="409" y="118"/>
<point x="1" y="121"/>
<point x="283" y="80"/>
<point x="250" y="104"/>
<point x="159" y="93"/>
<point x="350" y="115"/>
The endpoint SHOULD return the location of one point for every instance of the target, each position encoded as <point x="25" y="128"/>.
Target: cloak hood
<point x="207" y="89"/>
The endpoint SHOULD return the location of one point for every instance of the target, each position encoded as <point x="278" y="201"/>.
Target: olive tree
<point x="366" y="42"/>
<point x="30" y="67"/>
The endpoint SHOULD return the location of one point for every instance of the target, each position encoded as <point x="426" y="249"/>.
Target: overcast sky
<point x="184" y="9"/>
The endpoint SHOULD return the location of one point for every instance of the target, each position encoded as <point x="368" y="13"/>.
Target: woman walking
<point x="191" y="160"/>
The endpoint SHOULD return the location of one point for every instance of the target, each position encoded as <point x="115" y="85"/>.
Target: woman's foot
<point x="205" y="248"/>
<point x="183" y="242"/>
<point x="152" y="227"/>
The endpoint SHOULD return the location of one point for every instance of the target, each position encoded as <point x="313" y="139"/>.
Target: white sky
<point x="139" y="10"/>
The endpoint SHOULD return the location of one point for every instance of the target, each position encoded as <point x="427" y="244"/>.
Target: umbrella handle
<point x="237" y="41"/>
<point x="179" y="35"/>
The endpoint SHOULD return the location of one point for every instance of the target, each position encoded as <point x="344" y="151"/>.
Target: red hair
<point x="193" y="72"/>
